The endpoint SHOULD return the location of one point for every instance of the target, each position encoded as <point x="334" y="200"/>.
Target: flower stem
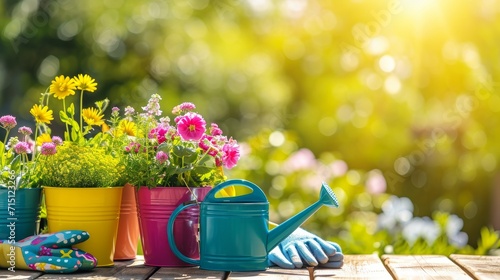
<point x="67" y="129"/>
<point x="81" y="108"/>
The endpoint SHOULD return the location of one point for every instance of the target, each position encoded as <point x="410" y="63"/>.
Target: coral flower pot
<point x="95" y="210"/>
<point x="155" y="206"/>
<point x="19" y="213"/>
<point x="128" y="226"/>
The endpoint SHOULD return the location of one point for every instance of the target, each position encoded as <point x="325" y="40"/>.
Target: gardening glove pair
<point x="304" y="249"/>
<point x="50" y="253"/>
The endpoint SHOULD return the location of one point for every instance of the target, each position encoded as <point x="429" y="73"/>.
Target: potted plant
<point x="81" y="175"/>
<point x="171" y="162"/>
<point x="20" y="192"/>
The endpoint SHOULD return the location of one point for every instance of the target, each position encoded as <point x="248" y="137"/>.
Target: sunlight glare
<point x="387" y="63"/>
<point x="418" y="6"/>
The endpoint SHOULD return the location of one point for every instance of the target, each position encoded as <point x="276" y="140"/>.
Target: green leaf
<point x="164" y="147"/>
<point x="200" y="169"/>
<point x="182" y="151"/>
<point x="76" y="134"/>
<point x="71" y="110"/>
<point x="15" y="164"/>
<point x="102" y="105"/>
<point x="64" y="117"/>
<point x="206" y="160"/>
<point x="490" y="239"/>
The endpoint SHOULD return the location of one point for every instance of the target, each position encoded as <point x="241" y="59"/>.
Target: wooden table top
<point x="355" y="267"/>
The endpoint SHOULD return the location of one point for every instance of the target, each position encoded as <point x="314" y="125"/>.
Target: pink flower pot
<point x="154" y="208"/>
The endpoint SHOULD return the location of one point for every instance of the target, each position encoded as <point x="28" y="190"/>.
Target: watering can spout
<point x="275" y="236"/>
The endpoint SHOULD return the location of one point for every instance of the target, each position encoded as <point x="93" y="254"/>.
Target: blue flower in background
<point x="455" y="236"/>
<point x="424" y="227"/>
<point x="396" y="212"/>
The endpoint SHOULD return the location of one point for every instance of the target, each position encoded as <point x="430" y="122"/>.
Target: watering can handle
<point x="257" y="195"/>
<point x="170" y="233"/>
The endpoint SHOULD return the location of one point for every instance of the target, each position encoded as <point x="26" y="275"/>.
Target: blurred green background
<point x="376" y="98"/>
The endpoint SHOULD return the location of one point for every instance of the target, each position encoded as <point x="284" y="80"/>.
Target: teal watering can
<point x="234" y="234"/>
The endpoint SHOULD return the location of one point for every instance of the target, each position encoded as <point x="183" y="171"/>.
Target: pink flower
<point x="165" y="121"/>
<point x="215" y="130"/>
<point x="48" y="148"/>
<point x="230" y="154"/>
<point x="191" y="126"/>
<point x="376" y="182"/>
<point x="133" y="147"/>
<point x="8" y="122"/>
<point x="153" y="107"/>
<point x="161" y="157"/>
<point x="208" y="143"/>
<point x="158" y="133"/>
<point x="24" y="130"/>
<point x="184" y="107"/>
<point x="57" y="140"/>
<point x="129" y="112"/>
<point x="22" y="148"/>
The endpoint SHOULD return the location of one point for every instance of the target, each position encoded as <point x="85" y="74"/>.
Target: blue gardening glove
<point x="303" y="248"/>
<point x="50" y="253"/>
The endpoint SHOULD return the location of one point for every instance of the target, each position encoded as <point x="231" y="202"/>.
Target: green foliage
<point x="79" y="166"/>
<point x="489" y="242"/>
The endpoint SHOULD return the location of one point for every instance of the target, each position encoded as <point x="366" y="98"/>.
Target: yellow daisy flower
<point x="127" y="127"/>
<point x="42" y="114"/>
<point x="43" y="138"/>
<point x="62" y="86"/>
<point x="85" y="82"/>
<point x="92" y="117"/>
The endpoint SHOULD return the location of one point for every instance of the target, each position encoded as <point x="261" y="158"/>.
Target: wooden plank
<point x="273" y="273"/>
<point x="132" y="269"/>
<point x="480" y="267"/>
<point x="423" y="267"/>
<point x="357" y="267"/>
<point x="19" y="274"/>
<point x="192" y="273"/>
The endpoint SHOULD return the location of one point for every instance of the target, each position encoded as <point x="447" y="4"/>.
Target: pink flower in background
<point x="376" y="182"/>
<point x="8" y="122"/>
<point x="48" y="148"/>
<point x="191" y="126"/>
<point x="24" y="130"/>
<point x="302" y="159"/>
<point x="57" y="140"/>
<point x="184" y="107"/>
<point x="22" y="148"/>
<point x="339" y="168"/>
<point x="230" y="154"/>
<point x="153" y="106"/>
<point x="129" y="113"/>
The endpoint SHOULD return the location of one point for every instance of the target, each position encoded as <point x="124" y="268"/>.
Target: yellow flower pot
<point x="95" y="210"/>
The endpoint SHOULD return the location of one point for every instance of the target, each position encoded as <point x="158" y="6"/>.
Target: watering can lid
<point x="256" y="194"/>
